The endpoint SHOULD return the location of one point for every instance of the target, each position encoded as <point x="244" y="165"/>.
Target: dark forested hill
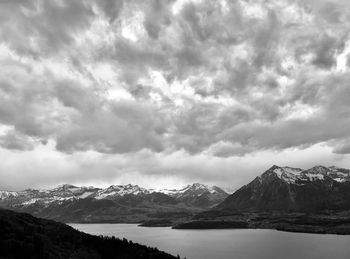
<point x="24" y="236"/>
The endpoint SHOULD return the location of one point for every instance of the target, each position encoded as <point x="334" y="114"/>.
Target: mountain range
<point x="117" y="203"/>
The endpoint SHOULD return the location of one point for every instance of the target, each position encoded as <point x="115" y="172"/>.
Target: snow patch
<point x="288" y="174"/>
<point x="314" y="177"/>
<point x="296" y="175"/>
<point x="85" y="195"/>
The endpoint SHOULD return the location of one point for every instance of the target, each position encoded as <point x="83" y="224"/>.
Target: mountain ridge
<point x="293" y="189"/>
<point x="116" y="203"/>
<point x="68" y="191"/>
<point x="315" y="200"/>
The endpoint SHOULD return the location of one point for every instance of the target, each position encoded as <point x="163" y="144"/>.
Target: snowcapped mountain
<point x="198" y="194"/>
<point x="300" y="176"/>
<point x="68" y="192"/>
<point x="190" y="194"/>
<point x="8" y="194"/>
<point x="120" y="190"/>
<point x="58" y="194"/>
<point x="116" y="203"/>
<point x="195" y="189"/>
<point x="293" y="189"/>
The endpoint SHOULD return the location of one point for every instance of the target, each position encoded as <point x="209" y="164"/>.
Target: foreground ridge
<point x="24" y="236"/>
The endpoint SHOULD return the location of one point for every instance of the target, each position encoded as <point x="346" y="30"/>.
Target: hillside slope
<point x="24" y="236"/>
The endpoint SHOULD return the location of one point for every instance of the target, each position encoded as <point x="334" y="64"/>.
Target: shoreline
<point x="287" y="228"/>
<point x="325" y="222"/>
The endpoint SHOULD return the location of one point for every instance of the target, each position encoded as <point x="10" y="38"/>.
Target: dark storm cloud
<point x="118" y="128"/>
<point x="80" y="119"/>
<point x="41" y="27"/>
<point x="202" y="125"/>
<point x="343" y="148"/>
<point x="220" y="77"/>
<point x="325" y="50"/>
<point x="331" y="12"/>
<point x="111" y="8"/>
<point x="157" y="14"/>
<point x="15" y="141"/>
<point x="266" y="40"/>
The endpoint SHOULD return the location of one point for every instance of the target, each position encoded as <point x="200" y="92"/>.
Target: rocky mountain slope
<point x="289" y="189"/>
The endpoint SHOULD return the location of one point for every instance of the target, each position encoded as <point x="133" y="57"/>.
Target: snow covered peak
<point x="120" y="190"/>
<point x="339" y="174"/>
<point x="319" y="169"/>
<point x="286" y="173"/>
<point x="336" y="173"/>
<point x="8" y="194"/>
<point x="294" y="175"/>
<point x="290" y="175"/>
<point x="194" y="189"/>
<point x="338" y="169"/>
<point x="196" y="193"/>
<point x="197" y="186"/>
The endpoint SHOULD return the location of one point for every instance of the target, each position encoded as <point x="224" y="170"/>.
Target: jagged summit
<point x="273" y="167"/>
<point x="286" y="173"/>
<point x="120" y="190"/>
<point x="198" y="187"/>
<point x="194" y="189"/>
<point x="297" y="175"/>
<point x="194" y="194"/>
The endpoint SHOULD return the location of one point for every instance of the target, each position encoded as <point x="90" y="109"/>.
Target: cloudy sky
<point x="162" y="93"/>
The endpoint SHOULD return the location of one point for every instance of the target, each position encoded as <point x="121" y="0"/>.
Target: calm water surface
<point x="228" y="243"/>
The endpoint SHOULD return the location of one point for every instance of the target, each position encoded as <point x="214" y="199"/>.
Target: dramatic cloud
<point x="181" y="89"/>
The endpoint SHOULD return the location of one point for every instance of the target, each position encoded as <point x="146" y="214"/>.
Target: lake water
<point x="229" y="243"/>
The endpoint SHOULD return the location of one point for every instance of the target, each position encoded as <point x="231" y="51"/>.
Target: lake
<point x="229" y="243"/>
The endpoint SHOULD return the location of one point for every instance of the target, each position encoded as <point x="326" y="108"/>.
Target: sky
<point x="162" y="93"/>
